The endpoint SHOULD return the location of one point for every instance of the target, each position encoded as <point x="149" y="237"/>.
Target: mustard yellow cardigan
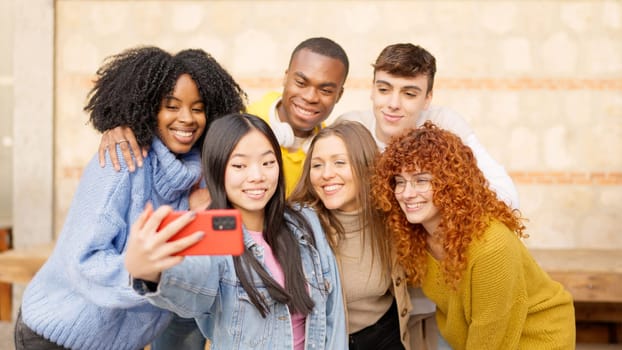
<point x="504" y="300"/>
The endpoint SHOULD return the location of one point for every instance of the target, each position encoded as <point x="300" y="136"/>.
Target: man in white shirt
<point x="401" y="96"/>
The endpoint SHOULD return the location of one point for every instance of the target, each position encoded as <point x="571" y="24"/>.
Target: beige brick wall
<point x="539" y="81"/>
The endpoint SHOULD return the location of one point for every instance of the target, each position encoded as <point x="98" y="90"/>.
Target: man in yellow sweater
<point x="312" y="85"/>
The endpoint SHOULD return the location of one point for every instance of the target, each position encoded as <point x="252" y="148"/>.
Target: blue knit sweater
<point x="81" y="297"/>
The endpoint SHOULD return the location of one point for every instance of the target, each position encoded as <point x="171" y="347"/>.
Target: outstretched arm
<point x="148" y="252"/>
<point x="124" y="137"/>
<point x="189" y="288"/>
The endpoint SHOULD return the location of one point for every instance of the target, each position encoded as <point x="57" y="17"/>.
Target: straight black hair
<point x="220" y="141"/>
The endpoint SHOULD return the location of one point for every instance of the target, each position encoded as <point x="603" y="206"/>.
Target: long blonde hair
<point x="362" y="152"/>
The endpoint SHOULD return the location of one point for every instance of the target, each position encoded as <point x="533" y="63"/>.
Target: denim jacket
<point x="208" y="289"/>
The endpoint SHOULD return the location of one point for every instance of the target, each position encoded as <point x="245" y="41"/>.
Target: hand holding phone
<point x="222" y="228"/>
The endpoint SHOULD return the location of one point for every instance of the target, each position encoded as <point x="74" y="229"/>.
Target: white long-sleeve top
<point x="447" y="119"/>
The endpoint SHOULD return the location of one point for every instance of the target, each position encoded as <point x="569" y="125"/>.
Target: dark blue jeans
<point x="181" y="333"/>
<point x="26" y="339"/>
<point x="382" y="335"/>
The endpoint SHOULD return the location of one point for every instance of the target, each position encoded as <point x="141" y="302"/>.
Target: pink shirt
<point x="298" y="320"/>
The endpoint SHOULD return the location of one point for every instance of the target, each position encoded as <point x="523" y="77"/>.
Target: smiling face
<point x="181" y="119"/>
<point x="251" y="177"/>
<point x="312" y="86"/>
<point x="331" y="175"/>
<point x="416" y="201"/>
<point x="398" y="103"/>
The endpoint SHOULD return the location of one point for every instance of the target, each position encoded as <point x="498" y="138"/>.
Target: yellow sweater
<point x="504" y="300"/>
<point x="292" y="160"/>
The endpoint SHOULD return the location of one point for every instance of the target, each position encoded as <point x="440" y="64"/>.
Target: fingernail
<point x="192" y="214"/>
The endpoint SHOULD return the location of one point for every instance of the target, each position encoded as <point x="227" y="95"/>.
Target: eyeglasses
<point x="419" y="184"/>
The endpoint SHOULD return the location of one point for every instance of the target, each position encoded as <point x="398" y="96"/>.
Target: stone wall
<point x="539" y="81"/>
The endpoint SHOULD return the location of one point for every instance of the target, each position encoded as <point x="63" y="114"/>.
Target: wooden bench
<point x="594" y="278"/>
<point x="20" y="265"/>
<point x="589" y="275"/>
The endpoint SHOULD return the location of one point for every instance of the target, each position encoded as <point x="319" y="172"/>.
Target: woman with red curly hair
<point x="463" y="247"/>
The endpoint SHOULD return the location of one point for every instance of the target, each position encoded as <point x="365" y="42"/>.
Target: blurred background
<point x="540" y="82"/>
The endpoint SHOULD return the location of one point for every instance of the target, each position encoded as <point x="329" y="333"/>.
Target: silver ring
<point x="121" y="141"/>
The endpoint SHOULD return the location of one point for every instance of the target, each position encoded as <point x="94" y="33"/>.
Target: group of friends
<point x="390" y="228"/>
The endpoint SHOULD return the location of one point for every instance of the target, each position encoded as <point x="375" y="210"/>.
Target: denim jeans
<point x="181" y="333"/>
<point x="26" y="338"/>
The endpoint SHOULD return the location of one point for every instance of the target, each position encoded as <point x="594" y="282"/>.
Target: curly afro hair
<point x="130" y="87"/>
<point x="461" y="194"/>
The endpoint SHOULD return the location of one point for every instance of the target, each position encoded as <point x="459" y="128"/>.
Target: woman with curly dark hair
<point x="463" y="246"/>
<point x="81" y="298"/>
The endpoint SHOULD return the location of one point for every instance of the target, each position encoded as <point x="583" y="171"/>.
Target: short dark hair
<point x="130" y="87"/>
<point x="407" y="60"/>
<point x="325" y="47"/>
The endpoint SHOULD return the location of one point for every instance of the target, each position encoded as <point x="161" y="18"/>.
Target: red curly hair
<point x="461" y="193"/>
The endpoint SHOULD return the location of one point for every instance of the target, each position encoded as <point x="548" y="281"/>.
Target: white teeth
<point x="255" y="192"/>
<point x="183" y="133"/>
<point x="304" y="111"/>
<point x="414" y="205"/>
<point x="331" y="188"/>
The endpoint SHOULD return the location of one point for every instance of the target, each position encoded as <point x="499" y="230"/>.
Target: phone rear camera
<point x="222" y="223"/>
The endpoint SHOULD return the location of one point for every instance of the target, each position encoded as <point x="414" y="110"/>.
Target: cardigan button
<point x="398" y="281"/>
<point x="404" y="312"/>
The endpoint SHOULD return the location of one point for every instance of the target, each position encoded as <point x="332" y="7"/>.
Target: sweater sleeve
<point x="91" y="246"/>
<point x="498" y="291"/>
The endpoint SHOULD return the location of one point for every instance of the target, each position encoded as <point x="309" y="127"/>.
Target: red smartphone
<point x="223" y="232"/>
